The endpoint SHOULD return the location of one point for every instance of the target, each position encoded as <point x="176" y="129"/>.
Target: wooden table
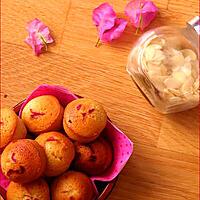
<point x="164" y="165"/>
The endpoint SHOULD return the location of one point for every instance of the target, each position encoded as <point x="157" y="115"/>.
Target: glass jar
<point x="164" y="64"/>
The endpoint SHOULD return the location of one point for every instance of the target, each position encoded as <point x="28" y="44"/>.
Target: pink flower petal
<point x="46" y="35"/>
<point x="149" y="12"/>
<point x="104" y="17"/>
<point x="4" y="182"/>
<point x="141" y="12"/>
<point x="35" y="25"/>
<point x="35" y="43"/>
<point x="39" y="35"/>
<point x="115" y="32"/>
<point x="132" y="8"/>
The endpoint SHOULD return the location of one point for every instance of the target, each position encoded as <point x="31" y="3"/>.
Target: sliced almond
<point x="149" y="53"/>
<point x="179" y="76"/>
<point x="175" y="92"/>
<point x="187" y="85"/>
<point x="158" y="82"/>
<point x="153" y="66"/>
<point x="189" y="96"/>
<point x="188" y="59"/>
<point x="159" y="41"/>
<point x="187" y="69"/>
<point x="152" y="74"/>
<point x="175" y="100"/>
<point x="189" y="53"/>
<point x="176" y="68"/>
<point x="159" y="55"/>
<point x="167" y="94"/>
<point x="172" y="83"/>
<point x="164" y="70"/>
<point x="174" y="72"/>
<point x="153" y="53"/>
<point x="177" y="60"/>
<point x="156" y="46"/>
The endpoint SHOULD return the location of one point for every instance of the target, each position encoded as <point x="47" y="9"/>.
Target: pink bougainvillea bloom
<point x="108" y="25"/>
<point x="104" y="17"/>
<point x="115" y="32"/>
<point x="35" y="43"/>
<point x="141" y="13"/>
<point x="39" y="36"/>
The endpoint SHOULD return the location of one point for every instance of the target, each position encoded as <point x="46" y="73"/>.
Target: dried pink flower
<point x="115" y="32"/>
<point x="78" y="107"/>
<point x="39" y="36"/>
<point x="104" y="17"/>
<point x="36" y="114"/>
<point x="13" y="157"/>
<point x="91" y="110"/>
<point x="141" y="13"/>
<point x="109" y="26"/>
<point x="52" y="139"/>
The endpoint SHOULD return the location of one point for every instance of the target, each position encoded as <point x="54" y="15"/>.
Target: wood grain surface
<point x="164" y="165"/>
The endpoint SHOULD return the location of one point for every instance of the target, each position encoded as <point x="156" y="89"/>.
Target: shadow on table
<point x="188" y="119"/>
<point x="188" y="114"/>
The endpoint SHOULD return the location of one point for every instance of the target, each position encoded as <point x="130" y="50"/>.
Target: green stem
<point x="140" y="20"/>
<point x="98" y="43"/>
<point x="43" y="40"/>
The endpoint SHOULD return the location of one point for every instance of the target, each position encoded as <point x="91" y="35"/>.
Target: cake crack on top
<point x="13" y="157"/>
<point x="35" y="114"/>
<point x="92" y="158"/>
<point x="21" y="170"/>
<point x="29" y="197"/>
<point x="52" y="139"/>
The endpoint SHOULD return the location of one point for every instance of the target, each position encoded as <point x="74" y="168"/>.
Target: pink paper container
<point x="122" y="145"/>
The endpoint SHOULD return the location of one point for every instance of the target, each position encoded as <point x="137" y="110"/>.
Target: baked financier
<point x="23" y="161"/>
<point x="93" y="158"/>
<point x="11" y="127"/>
<point x="43" y="114"/>
<point x="59" y="151"/>
<point x="84" y="120"/>
<point x="72" y="185"/>
<point x="36" y="190"/>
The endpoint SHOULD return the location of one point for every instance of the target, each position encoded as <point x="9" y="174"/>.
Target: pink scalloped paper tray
<point x="122" y="145"/>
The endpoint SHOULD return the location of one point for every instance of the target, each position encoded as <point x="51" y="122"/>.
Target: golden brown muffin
<point x="93" y="158"/>
<point x="23" y="161"/>
<point x="84" y="119"/>
<point x="36" y="190"/>
<point x="59" y="152"/>
<point x="72" y="186"/>
<point x="11" y="127"/>
<point x="43" y="114"/>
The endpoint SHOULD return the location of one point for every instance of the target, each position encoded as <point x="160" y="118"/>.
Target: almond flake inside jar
<point x="173" y="69"/>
